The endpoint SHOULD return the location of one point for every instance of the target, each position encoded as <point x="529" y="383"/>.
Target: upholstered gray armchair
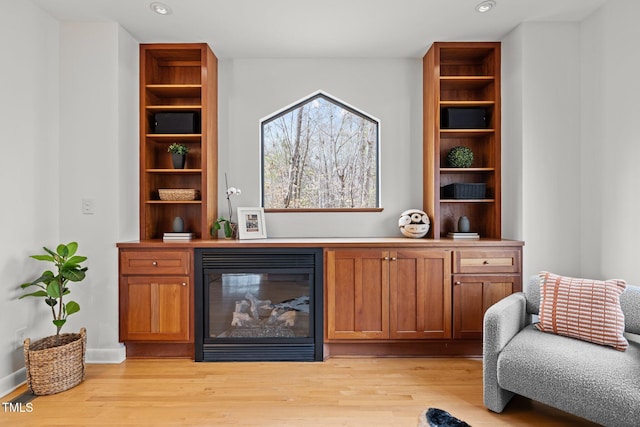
<point x="589" y="380"/>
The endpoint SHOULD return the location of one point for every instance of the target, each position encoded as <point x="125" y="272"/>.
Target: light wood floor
<point x="338" y="392"/>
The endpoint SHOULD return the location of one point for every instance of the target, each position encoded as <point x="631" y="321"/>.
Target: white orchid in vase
<point x="227" y="224"/>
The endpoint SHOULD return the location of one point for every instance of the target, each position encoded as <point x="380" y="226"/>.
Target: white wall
<point x="70" y="113"/>
<point x="96" y="133"/>
<point x="128" y="145"/>
<point x="512" y="134"/>
<point x="28" y="171"/>
<point x="390" y="90"/>
<point x="611" y="146"/>
<point x="569" y="123"/>
<point x="541" y="122"/>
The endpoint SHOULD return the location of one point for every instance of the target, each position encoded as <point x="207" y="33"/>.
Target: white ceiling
<point x="318" y="28"/>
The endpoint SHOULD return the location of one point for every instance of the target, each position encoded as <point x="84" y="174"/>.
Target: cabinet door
<point x="420" y="294"/>
<point x="357" y="297"/>
<point x="472" y="296"/>
<point x="154" y="308"/>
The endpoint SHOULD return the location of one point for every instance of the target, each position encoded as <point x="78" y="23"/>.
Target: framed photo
<point x="251" y="223"/>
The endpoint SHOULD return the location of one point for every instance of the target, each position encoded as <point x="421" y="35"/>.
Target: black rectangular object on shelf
<point x="464" y="118"/>
<point x="464" y="191"/>
<point x="177" y="122"/>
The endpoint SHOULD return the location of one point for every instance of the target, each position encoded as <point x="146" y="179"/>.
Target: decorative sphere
<point x="414" y="223"/>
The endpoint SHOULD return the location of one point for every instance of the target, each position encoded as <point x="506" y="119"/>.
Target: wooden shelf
<point x="174" y="202"/>
<point x="193" y="137"/>
<point x="466" y="170"/>
<point x="176" y="171"/>
<point x="173" y="107"/>
<point x="462" y="74"/>
<point x="467" y="200"/>
<point x="464" y="79"/>
<point x="466" y="103"/>
<point x="179" y="77"/>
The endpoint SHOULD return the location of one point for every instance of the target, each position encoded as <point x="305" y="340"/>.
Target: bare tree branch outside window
<point x="320" y="154"/>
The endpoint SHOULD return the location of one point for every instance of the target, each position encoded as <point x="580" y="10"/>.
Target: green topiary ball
<point x="460" y="157"/>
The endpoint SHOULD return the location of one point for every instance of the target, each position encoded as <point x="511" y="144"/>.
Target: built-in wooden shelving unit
<point x="461" y="74"/>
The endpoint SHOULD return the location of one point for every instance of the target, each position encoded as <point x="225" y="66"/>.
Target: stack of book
<point x="458" y="235"/>
<point x="177" y="237"/>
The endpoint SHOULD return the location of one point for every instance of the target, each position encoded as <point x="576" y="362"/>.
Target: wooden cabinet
<point x="420" y="294"/>
<point x="388" y="294"/>
<point x="158" y="308"/>
<point x="357" y="294"/>
<point x="155" y="296"/>
<point x="178" y="78"/>
<point x="481" y="278"/>
<point x="462" y="75"/>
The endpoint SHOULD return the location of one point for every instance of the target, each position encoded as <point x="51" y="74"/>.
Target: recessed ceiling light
<point x="485" y="6"/>
<point x="160" y="8"/>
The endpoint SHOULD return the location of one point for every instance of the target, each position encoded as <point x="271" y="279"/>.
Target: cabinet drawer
<point x="487" y="261"/>
<point x="154" y="262"/>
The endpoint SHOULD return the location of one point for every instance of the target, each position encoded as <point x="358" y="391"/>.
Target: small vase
<point x="178" y="160"/>
<point x="463" y="224"/>
<point x="178" y="225"/>
<point x="234" y="231"/>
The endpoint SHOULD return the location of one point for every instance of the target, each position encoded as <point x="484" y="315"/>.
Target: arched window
<point x="320" y="154"/>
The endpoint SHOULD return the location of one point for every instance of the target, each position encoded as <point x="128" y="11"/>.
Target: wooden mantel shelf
<point x="320" y="242"/>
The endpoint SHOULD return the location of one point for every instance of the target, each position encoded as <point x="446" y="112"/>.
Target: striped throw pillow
<point x="585" y="309"/>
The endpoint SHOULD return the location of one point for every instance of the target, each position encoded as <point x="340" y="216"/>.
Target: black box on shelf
<point x="464" y="191"/>
<point x="464" y="118"/>
<point x="176" y="122"/>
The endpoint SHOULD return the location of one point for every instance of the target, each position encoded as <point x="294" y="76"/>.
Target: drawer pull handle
<point x="386" y="258"/>
<point x="458" y="283"/>
<point x="393" y="258"/>
<point x="154" y="263"/>
<point x="485" y="262"/>
<point x="184" y="284"/>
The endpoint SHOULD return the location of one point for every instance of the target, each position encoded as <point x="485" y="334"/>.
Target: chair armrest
<point x="502" y="321"/>
<point x="630" y="304"/>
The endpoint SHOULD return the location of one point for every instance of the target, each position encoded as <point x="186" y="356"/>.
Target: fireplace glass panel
<point x="258" y="305"/>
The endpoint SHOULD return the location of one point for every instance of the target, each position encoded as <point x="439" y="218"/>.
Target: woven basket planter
<point x="55" y="364"/>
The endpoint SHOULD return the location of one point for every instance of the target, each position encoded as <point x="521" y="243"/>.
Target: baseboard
<point x="12" y="381"/>
<point x="406" y="348"/>
<point x="106" y="355"/>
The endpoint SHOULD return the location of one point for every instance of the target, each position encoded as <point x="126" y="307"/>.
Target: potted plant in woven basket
<point x="56" y="363"/>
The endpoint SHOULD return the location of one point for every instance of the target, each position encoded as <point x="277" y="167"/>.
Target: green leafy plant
<point x="225" y="224"/>
<point x="176" y="148"/>
<point x="54" y="286"/>
<point x="460" y="157"/>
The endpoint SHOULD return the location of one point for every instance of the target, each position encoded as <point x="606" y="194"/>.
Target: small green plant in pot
<point x="178" y="154"/>
<point x="47" y="358"/>
<point x="460" y="157"/>
<point x="226" y="225"/>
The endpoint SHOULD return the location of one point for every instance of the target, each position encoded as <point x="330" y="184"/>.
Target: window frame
<point x="353" y="110"/>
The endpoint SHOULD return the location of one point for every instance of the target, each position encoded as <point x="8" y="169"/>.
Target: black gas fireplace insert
<point x="258" y="304"/>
